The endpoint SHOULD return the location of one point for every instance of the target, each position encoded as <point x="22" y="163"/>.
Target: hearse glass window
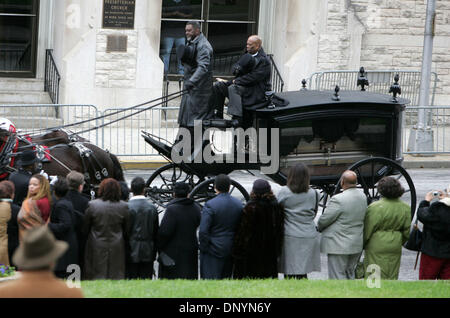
<point x="362" y="136"/>
<point x="226" y="23"/>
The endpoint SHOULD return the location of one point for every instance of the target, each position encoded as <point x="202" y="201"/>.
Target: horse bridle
<point x="6" y="153"/>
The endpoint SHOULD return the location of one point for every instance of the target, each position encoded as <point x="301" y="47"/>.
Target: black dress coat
<point x="62" y="226"/>
<point x="21" y="179"/>
<point x="256" y="82"/>
<point x="258" y="240"/>
<point x="107" y="226"/>
<point x="436" y="228"/>
<point x="13" y="232"/>
<point x="194" y="105"/>
<point x="144" y="230"/>
<point x="177" y="237"/>
<point x="80" y="203"/>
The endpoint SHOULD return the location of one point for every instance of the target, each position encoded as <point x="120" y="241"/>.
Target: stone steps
<point x="21" y="84"/>
<point x="24" y="97"/>
<point x="17" y="99"/>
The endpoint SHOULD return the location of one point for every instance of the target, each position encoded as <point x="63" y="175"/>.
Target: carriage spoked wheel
<point x="372" y="170"/>
<point x="161" y="182"/>
<point x="204" y="191"/>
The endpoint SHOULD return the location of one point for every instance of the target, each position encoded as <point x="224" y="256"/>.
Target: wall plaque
<point x="116" y="43"/>
<point x="118" y="14"/>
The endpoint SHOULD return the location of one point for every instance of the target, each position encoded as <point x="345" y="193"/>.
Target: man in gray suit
<point x="342" y="225"/>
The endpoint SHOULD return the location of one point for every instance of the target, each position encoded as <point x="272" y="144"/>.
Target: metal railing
<point x="379" y="82"/>
<point x="123" y="138"/>
<point x="276" y="78"/>
<point x="222" y="66"/>
<point x="37" y="118"/>
<point x="439" y="127"/>
<point x="52" y="77"/>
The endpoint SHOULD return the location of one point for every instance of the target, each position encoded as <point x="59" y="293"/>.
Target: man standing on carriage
<point x="248" y="89"/>
<point x="197" y="60"/>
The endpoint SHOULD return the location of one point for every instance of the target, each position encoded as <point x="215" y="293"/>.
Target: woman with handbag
<point x="301" y="246"/>
<point x="435" y="259"/>
<point x="386" y="229"/>
<point x="36" y="207"/>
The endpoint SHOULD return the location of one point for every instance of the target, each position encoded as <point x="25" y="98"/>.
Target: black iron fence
<point x="222" y="67"/>
<point x="52" y="77"/>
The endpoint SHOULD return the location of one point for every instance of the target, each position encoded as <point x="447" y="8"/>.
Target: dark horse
<point x="60" y="153"/>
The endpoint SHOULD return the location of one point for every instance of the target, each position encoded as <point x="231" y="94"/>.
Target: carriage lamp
<point x="362" y="79"/>
<point x="336" y="96"/>
<point x="304" y="85"/>
<point x="395" y="88"/>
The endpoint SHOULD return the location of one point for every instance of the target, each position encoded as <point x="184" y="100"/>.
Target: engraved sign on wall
<point x="118" y="14"/>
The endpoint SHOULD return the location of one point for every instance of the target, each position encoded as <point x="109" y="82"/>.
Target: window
<point x="226" y="23"/>
<point x="18" y="33"/>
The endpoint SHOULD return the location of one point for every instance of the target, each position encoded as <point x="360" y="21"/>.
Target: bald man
<point x="248" y="89"/>
<point x="342" y="225"/>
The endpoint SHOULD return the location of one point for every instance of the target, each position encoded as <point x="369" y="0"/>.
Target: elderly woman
<point x="258" y="241"/>
<point x="386" y="229"/>
<point x="106" y="224"/>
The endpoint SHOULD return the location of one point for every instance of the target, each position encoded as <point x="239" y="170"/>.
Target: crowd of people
<point x="117" y="237"/>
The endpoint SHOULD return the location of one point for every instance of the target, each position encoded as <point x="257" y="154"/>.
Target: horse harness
<point x="89" y="160"/>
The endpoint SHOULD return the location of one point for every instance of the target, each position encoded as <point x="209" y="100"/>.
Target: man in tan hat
<point x="36" y="257"/>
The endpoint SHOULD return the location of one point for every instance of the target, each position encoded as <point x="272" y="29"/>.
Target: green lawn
<point x="264" y="289"/>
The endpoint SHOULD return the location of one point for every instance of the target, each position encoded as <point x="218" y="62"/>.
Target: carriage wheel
<point x="161" y="182"/>
<point x="204" y="191"/>
<point x="371" y="170"/>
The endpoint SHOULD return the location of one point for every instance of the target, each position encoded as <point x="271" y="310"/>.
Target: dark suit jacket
<point x="20" y="178"/>
<point x="79" y="201"/>
<point x="177" y="237"/>
<point x="219" y="222"/>
<point x="62" y="226"/>
<point x="256" y="82"/>
<point x="144" y="228"/>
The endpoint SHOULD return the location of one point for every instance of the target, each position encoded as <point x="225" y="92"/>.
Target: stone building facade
<point x="304" y="36"/>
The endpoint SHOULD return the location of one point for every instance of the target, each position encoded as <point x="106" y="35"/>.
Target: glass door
<point x="226" y="23"/>
<point x="18" y="37"/>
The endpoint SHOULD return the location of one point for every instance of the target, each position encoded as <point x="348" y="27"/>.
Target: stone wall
<point x="391" y="38"/>
<point x="116" y="69"/>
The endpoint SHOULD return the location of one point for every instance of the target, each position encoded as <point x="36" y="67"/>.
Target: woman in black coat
<point x="435" y="259"/>
<point x="177" y="236"/>
<point x="62" y="225"/>
<point x="258" y="241"/>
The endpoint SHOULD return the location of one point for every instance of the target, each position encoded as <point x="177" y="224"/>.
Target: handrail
<point x="277" y="80"/>
<point x="52" y="77"/>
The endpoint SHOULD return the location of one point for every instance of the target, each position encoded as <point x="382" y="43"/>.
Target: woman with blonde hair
<point x="36" y="208"/>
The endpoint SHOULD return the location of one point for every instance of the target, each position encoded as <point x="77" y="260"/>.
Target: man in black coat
<point x="248" y="89"/>
<point x="21" y="178"/>
<point x="62" y="226"/>
<point x="177" y="237"/>
<point x="80" y="203"/>
<point x="219" y="223"/>
<point x="144" y="229"/>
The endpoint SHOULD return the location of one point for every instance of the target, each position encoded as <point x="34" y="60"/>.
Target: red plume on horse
<point x="58" y="154"/>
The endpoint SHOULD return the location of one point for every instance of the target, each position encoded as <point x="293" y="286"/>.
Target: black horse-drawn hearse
<point x="328" y="131"/>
